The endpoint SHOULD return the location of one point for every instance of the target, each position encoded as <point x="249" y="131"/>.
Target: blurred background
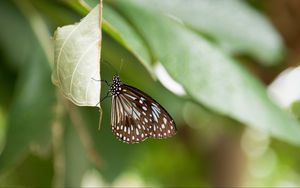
<point x="236" y="103"/>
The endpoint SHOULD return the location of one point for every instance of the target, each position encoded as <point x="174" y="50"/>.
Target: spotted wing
<point x="136" y="116"/>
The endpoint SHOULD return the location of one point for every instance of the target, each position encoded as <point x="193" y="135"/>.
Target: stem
<point x="83" y="134"/>
<point x="58" y="147"/>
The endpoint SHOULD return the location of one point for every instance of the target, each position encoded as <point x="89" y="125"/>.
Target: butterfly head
<point x="115" y="87"/>
<point x="116" y="79"/>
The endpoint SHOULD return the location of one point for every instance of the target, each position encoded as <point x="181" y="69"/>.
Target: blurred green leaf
<point x="2" y="127"/>
<point x="120" y="30"/>
<point x="31" y="114"/>
<point x="158" y="167"/>
<point x="79" y="6"/>
<point x="233" y="24"/>
<point x="31" y="110"/>
<point x="13" y="42"/>
<point x="295" y="108"/>
<point x="76" y="161"/>
<point x="209" y="76"/>
<point x="32" y="172"/>
<point x="89" y="3"/>
<point x="208" y="122"/>
<point x="7" y="82"/>
<point x="54" y="14"/>
<point x="77" y="60"/>
<point x="107" y="146"/>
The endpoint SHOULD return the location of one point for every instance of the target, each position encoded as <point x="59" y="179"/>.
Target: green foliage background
<point x="222" y="52"/>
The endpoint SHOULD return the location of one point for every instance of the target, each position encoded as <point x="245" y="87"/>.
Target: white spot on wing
<point x="165" y="120"/>
<point x="155" y="117"/>
<point x="130" y="96"/>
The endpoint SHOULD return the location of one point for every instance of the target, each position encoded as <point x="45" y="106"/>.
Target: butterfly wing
<point x="125" y="123"/>
<point x="136" y="116"/>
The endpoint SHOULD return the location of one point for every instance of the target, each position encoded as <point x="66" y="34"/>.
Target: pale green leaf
<point x="232" y="23"/>
<point x="208" y="75"/>
<point x="77" y="60"/>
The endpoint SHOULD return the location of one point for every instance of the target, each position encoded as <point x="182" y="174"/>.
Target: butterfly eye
<point x="135" y="116"/>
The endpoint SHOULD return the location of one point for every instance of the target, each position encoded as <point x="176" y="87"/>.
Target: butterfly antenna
<point x="107" y="63"/>
<point x="121" y="65"/>
<point x="106" y="82"/>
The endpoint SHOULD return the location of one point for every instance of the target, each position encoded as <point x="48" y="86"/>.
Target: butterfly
<point x="135" y="116"/>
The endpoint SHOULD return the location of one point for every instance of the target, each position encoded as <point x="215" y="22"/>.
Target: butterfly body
<point x="135" y="116"/>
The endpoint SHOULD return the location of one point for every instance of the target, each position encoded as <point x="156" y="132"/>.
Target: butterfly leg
<point x="105" y="82"/>
<point x="107" y="95"/>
